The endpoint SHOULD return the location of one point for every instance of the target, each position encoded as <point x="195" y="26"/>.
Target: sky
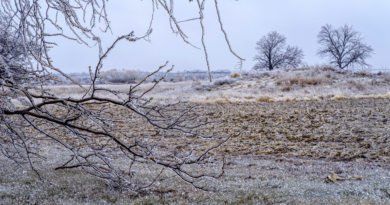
<point x="245" y="22"/>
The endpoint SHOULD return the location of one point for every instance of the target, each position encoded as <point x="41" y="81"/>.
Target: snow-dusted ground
<point x="247" y="180"/>
<point x="316" y="83"/>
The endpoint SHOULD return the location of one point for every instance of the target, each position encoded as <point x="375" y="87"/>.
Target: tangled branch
<point x="102" y="128"/>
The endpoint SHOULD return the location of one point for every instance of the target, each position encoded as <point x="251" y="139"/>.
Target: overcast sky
<point x="245" y="21"/>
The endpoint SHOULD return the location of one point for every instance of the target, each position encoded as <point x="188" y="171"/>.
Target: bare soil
<point x="340" y="130"/>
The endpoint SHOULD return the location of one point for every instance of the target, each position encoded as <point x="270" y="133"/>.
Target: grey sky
<point x="245" y="21"/>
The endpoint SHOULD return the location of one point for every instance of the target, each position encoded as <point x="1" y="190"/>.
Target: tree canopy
<point x="274" y="53"/>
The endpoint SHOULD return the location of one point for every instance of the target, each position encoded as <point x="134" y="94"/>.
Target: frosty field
<point x="194" y="102"/>
<point x="290" y="140"/>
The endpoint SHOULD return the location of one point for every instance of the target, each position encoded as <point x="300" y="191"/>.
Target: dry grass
<point x="301" y="81"/>
<point x="235" y="75"/>
<point x="318" y="82"/>
<point x="264" y="99"/>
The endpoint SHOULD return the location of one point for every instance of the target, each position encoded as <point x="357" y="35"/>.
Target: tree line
<point x="342" y="47"/>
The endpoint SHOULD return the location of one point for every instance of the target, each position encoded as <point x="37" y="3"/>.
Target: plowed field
<point x="339" y="130"/>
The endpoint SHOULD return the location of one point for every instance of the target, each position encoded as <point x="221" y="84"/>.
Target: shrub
<point x="224" y="81"/>
<point x="235" y="75"/>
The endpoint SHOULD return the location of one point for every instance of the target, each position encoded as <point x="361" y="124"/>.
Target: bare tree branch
<point x="226" y="37"/>
<point x="98" y="129"/>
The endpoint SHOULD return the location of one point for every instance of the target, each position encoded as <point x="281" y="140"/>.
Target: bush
<point x="235" y="75"/>
<point x="224" y="81"/>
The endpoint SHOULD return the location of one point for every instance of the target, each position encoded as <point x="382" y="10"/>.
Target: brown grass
<point x="301" y="81"/>
<point x="235" y="75"/>
<point x="339" y="96"/>
<point x="264" y="99"/>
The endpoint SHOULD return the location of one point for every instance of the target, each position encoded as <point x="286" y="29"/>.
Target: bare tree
<point x="343" y="47"/>
<point x="99" y="130"/>
<point x="273" y="52"/>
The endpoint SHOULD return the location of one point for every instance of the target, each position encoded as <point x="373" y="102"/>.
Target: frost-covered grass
<point x="247" y="180"/>
<point x="314" y="83"/>
<point x="224" y="81"/>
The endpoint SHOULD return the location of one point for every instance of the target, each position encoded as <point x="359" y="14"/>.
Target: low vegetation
<point x="224" y="81"/>
<point x="308" y="83"/>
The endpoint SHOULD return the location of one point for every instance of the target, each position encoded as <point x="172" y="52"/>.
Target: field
<point x="295" y="128"/>
<point x="315" y="83"/>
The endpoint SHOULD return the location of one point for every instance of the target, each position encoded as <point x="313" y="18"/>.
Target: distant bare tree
<point x="99" y="129"/>
<point x="343" y="47"/>
<point x="273" y="52"/>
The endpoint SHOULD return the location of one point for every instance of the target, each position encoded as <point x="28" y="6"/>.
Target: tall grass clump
<point x="235" y="75"/>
